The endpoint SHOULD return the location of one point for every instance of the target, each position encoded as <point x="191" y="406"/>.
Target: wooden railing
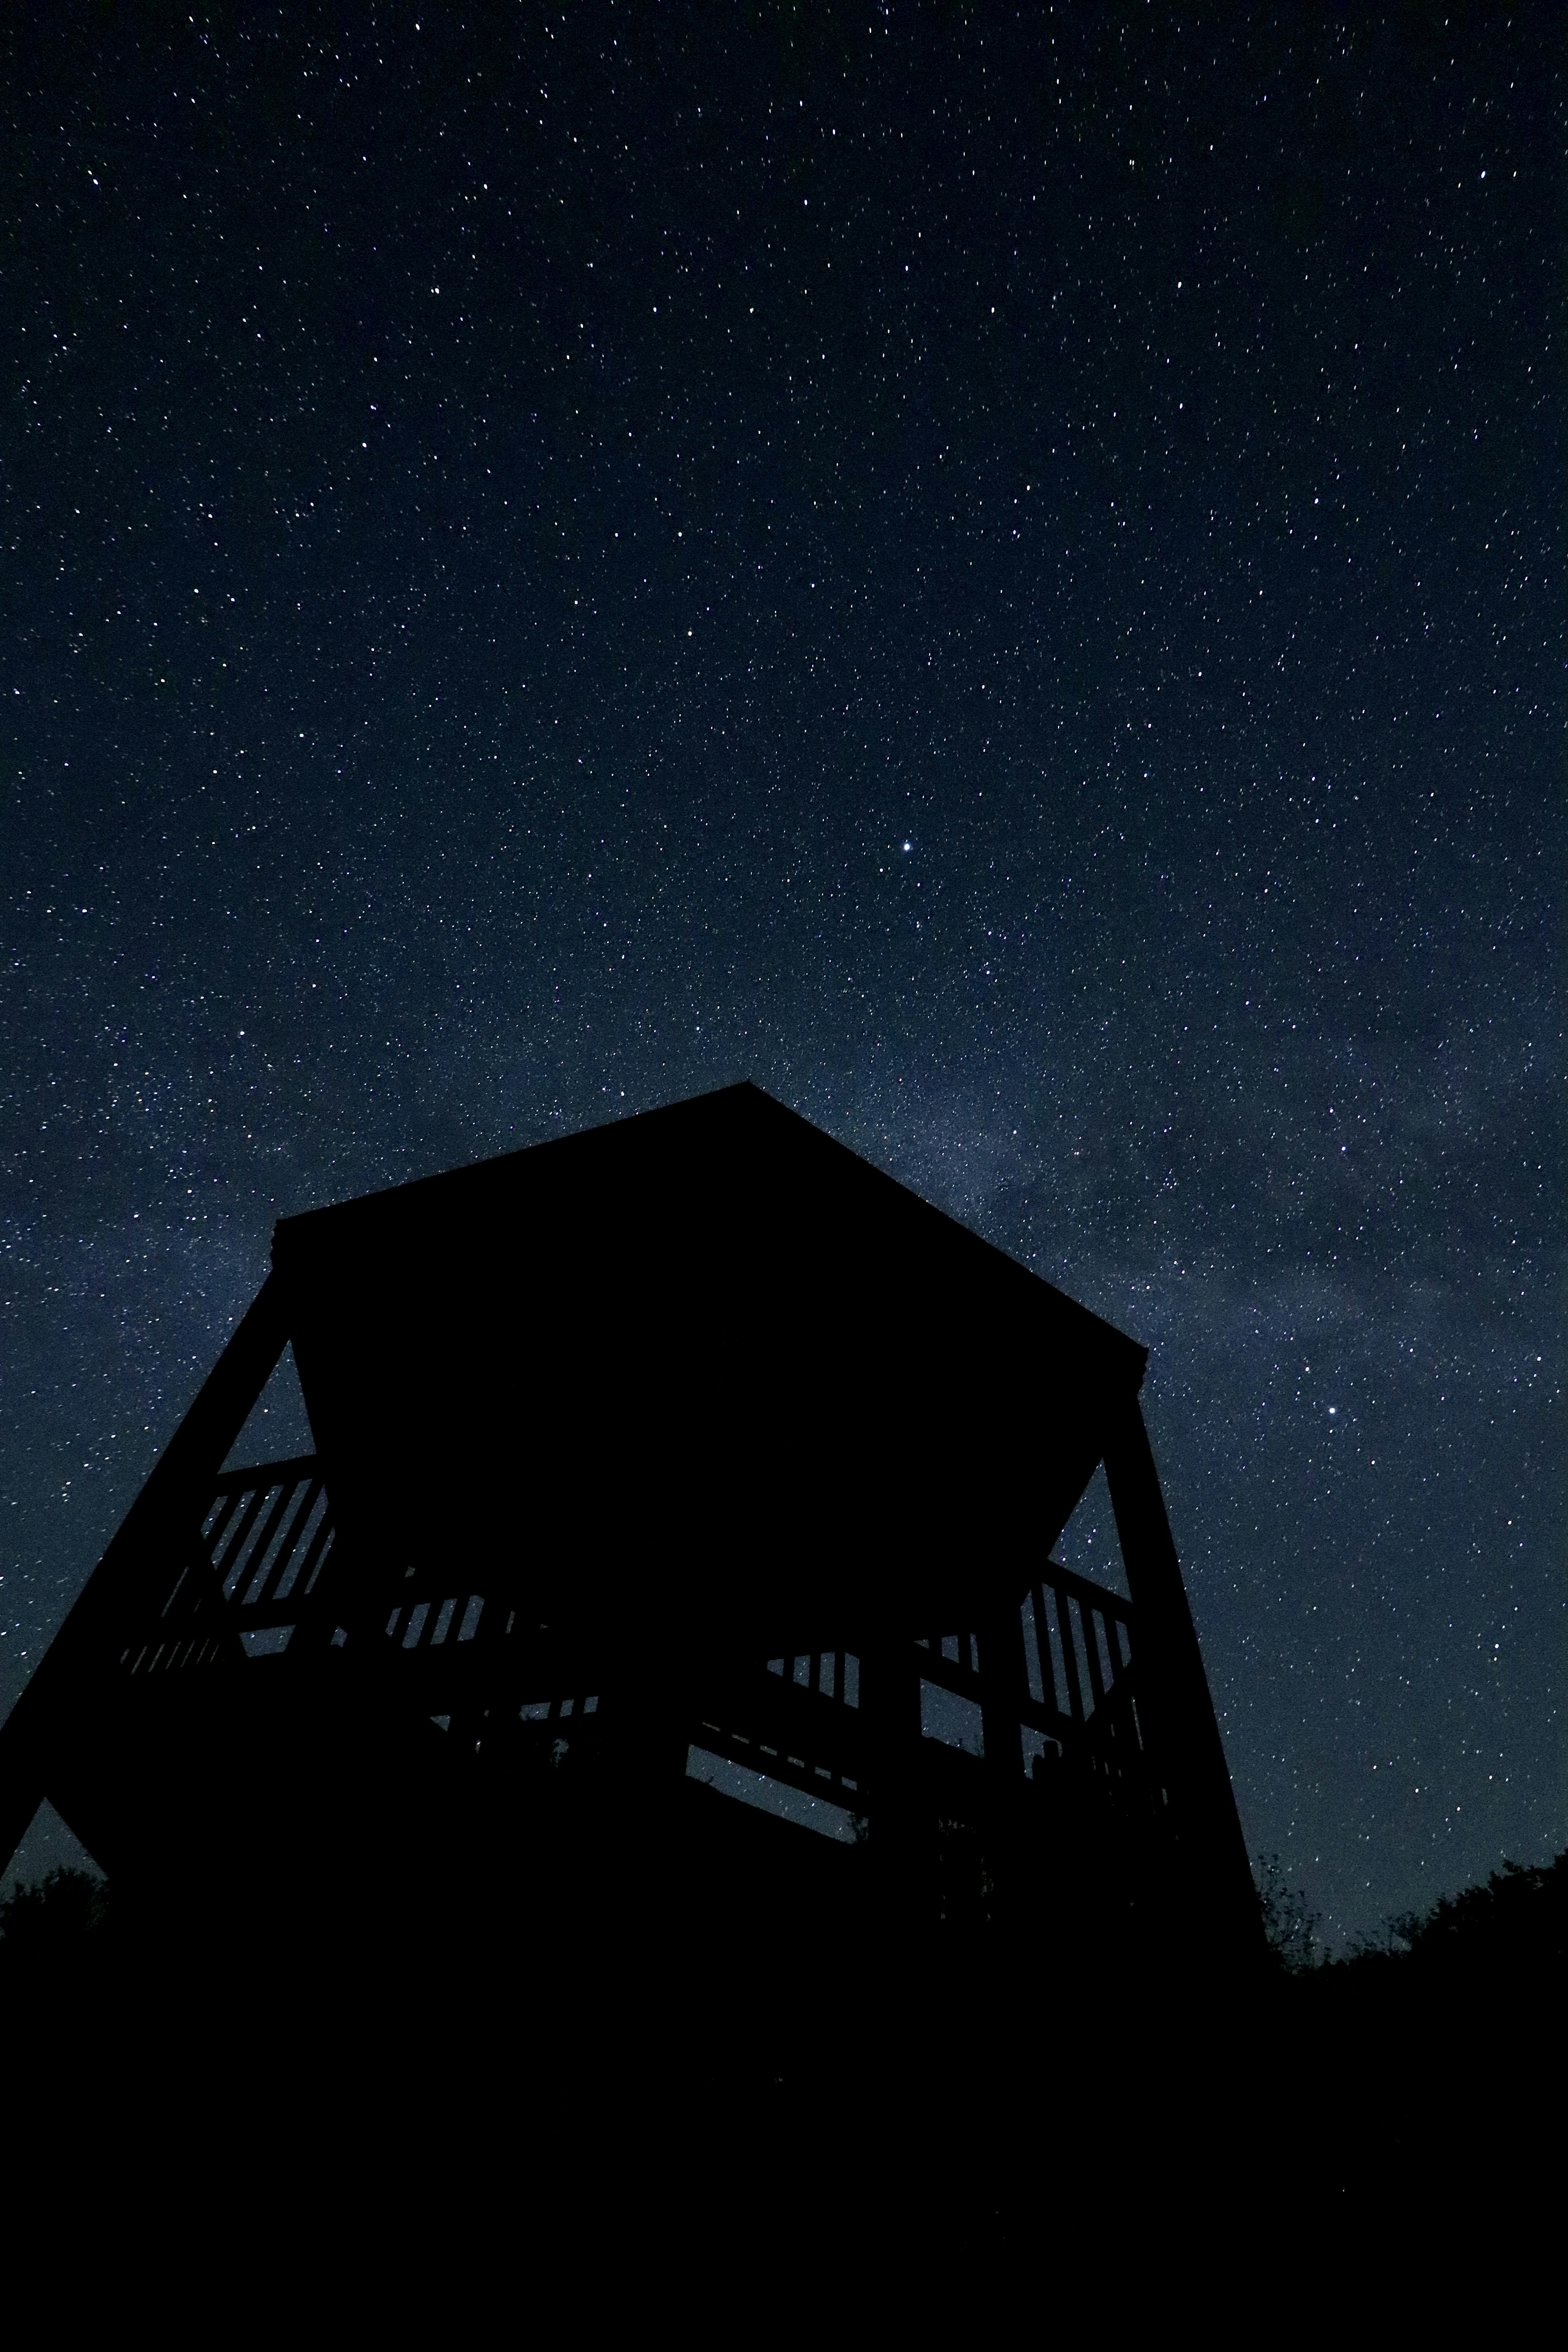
<point x="263" y="1577"/>
<point x="260" y="1563"/>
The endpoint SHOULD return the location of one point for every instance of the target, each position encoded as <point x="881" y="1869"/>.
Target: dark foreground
<point x="487" y="2099"/>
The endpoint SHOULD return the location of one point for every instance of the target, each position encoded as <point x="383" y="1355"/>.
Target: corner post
<point x="1175" y="1699"/>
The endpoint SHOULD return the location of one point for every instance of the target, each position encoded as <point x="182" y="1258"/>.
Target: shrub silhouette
<point x="57" y="1923"/>
<point x="1514" y="1926"/>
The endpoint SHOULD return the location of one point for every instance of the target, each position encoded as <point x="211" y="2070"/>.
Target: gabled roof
<point x="659" y="1355"/>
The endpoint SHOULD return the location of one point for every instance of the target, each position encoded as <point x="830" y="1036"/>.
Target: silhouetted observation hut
<point x="690" y="1450"/>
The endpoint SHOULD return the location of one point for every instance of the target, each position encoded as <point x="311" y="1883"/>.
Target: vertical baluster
<point x="1070" y="1658"/>
<point x="1087" y="1619"/>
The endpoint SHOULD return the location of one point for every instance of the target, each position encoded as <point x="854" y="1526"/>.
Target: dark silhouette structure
<point x="691" y="1438"/>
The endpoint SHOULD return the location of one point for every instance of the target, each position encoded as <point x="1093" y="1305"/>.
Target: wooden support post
<point x="1005" y="1686"/>
<point x="890" y="1720"/>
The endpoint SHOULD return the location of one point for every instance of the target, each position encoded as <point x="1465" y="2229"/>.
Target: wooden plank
<point x="287" y="1472"/>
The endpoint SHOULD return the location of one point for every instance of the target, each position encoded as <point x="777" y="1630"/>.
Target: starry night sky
<point x="996" y="572"/>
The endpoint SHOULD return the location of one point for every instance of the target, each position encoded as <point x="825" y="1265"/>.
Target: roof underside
<point x="690" y="1361"/>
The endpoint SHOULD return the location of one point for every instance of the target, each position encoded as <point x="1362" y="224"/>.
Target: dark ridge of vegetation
<point x="1516" y="1925"/>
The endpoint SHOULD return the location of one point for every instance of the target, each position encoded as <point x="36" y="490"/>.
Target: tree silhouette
<point x="1289" y="1923"/>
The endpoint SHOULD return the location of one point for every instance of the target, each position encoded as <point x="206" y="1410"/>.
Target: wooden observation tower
<point x="688" y="1450"/>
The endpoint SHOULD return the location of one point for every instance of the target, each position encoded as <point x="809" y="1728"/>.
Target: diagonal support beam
<point x="166" y="1513"/>
<point x="1174" y="1698"/>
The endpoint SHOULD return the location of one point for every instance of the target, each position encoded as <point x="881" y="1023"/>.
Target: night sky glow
<point x="996" y="572"/>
